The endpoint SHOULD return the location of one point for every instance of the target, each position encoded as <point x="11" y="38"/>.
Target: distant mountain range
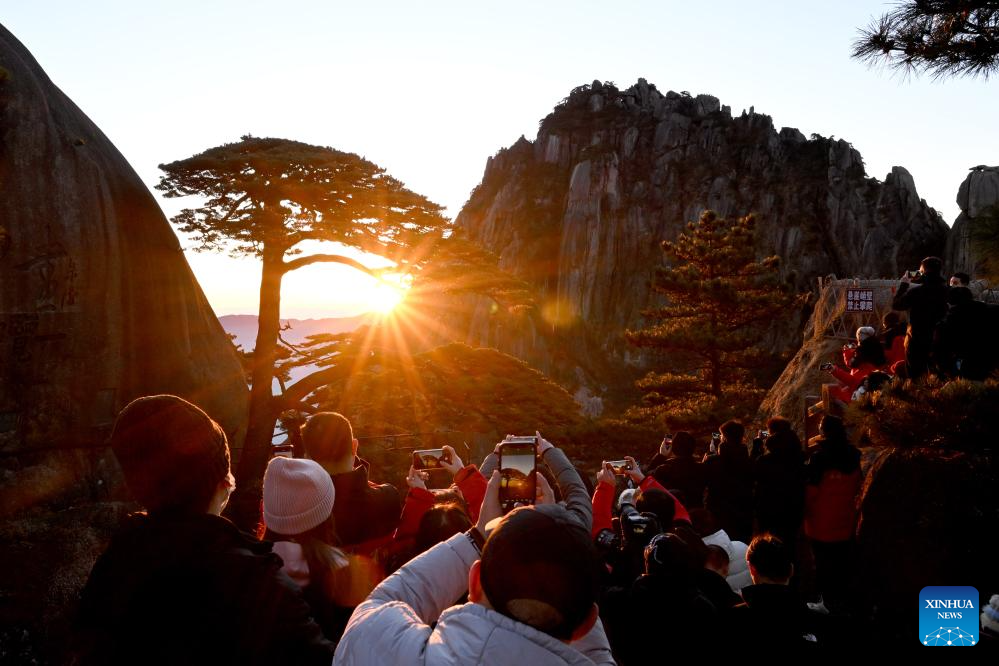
<point x="244" y="327"/>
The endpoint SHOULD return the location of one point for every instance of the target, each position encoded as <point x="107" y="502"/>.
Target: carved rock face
<point x="97" y="303"/>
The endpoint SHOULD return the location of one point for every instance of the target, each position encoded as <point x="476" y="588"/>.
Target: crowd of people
<point x="344" y="571"/>
<point x="733" y="544"/>
<point x="948" y="333"/>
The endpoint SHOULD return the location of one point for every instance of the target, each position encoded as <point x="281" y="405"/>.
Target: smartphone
<point x="715" y="440"/>
<point x="912" y="274"/>
<point x="430" y="458"/>
<point x="669" y="437"/>
<point x="518" y="471"/>
<point x="826" y="366"/>
<point x="763" y="434"/>
<point x="621" y="467"/>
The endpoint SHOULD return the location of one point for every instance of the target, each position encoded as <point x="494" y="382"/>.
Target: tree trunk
<point x="245" y="504"/>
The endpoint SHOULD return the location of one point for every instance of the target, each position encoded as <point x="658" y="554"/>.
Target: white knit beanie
<point x="865" y="332"/>
<point x="298" y="495"/>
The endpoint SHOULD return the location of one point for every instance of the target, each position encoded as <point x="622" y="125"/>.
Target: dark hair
<point x="704" y="521"/>
<point x="778" y="424"/>
<point x="328" y="570"/>
<point x="931" y="266"/>
<point x="717" y="557"/>
<point x="683" y="444"/>
<point x="658" y="502"/>
<point x="733" y="431"/>
<point x="870" y="350"/>
<point x="328" y="437"/>
<point x="783" y="443"/>
<point x="963" y="278"/>
<point x="669" y="555"/>
<point x="876" y="380"/>
<point x="439" y="524"/>
<point x="769" y="557"/>
<point x="832" y="429"/>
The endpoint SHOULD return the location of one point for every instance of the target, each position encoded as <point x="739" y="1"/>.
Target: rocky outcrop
<point x="978" y="198"/>
<point x="580" y="213"/>
<point x="97" y="303"/>
<point x="97" y="307"/>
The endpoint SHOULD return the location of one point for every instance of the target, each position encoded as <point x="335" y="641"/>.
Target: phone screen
<point x="428" y="459"/>
<point x="620" y="467"/>
<point x="517" y="463"/>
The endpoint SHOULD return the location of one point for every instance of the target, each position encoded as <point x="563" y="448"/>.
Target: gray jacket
<point x="393" y="625"/>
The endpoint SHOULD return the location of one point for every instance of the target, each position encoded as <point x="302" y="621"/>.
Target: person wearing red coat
<point x="833" y="480"/>
<point x="866" y="358"/>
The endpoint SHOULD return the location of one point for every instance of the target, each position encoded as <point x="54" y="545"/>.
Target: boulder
<point x="97" y="306"/>
<point x="978" y="198"/>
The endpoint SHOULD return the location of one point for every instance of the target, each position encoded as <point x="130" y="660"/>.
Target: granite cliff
<point x="978" y="198"/>
<point x="580" y="212"/>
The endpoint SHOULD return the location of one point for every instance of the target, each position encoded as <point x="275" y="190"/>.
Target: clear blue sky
<point x="429" y="90"/>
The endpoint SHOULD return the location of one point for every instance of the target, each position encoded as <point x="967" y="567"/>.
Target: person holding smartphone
<point x="463" y="497"/>
<point x="678" y="469"/>
<point x="532" y="578"/>
<point x="571" y="487"/>
<point x="728" y="480"/>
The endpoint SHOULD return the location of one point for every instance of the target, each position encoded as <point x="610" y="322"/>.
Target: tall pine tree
<point x="719" y="301"/>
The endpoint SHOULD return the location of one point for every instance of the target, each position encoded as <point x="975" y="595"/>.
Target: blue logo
<point x="948" y="615"/>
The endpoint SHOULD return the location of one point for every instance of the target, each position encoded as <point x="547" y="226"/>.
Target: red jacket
<point x="831" y="506"/>
<point x="851" y="379"/>
<point x="603" y="504"/>
<point x="470" y="482"/>
<point x="896" y="352"/>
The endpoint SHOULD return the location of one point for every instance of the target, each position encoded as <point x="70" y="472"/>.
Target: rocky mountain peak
<point x="581" y="210"/>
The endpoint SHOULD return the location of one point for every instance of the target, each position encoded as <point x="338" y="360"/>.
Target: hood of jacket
<point x="738" y="569"/>
<point x="474" y="634"/>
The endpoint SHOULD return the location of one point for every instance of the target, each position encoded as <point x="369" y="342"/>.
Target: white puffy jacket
<point x="392" y="626"/>
<point x="738" y="568"/>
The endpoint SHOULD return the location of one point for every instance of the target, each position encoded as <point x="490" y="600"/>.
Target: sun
<point x="387" y="294"/>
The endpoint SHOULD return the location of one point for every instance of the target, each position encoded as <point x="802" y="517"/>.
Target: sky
<point x="429" y="90"/>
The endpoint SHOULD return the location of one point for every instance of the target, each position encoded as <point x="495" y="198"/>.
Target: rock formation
<point x="97" y="306"/>
<point x="978" y="198"/>
<point x="580" y="213"/>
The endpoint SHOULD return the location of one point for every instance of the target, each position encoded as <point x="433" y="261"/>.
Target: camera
<point x="826" y="367"/>
<point x="637" y="529"/>
<point x="632" y="531"/>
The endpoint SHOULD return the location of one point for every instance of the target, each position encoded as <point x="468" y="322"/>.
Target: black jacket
<point x="965" y="337"/>
<point x="926" y="303"/>
<point x="780" y="494"/>
<point x="193" y="589"/>
<point x="683" y="474"/>
<point x="729" y="497"/>
<point x="363" y="511"/>
<point x="773" y="616"/>
<point x="656" y="611"/>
